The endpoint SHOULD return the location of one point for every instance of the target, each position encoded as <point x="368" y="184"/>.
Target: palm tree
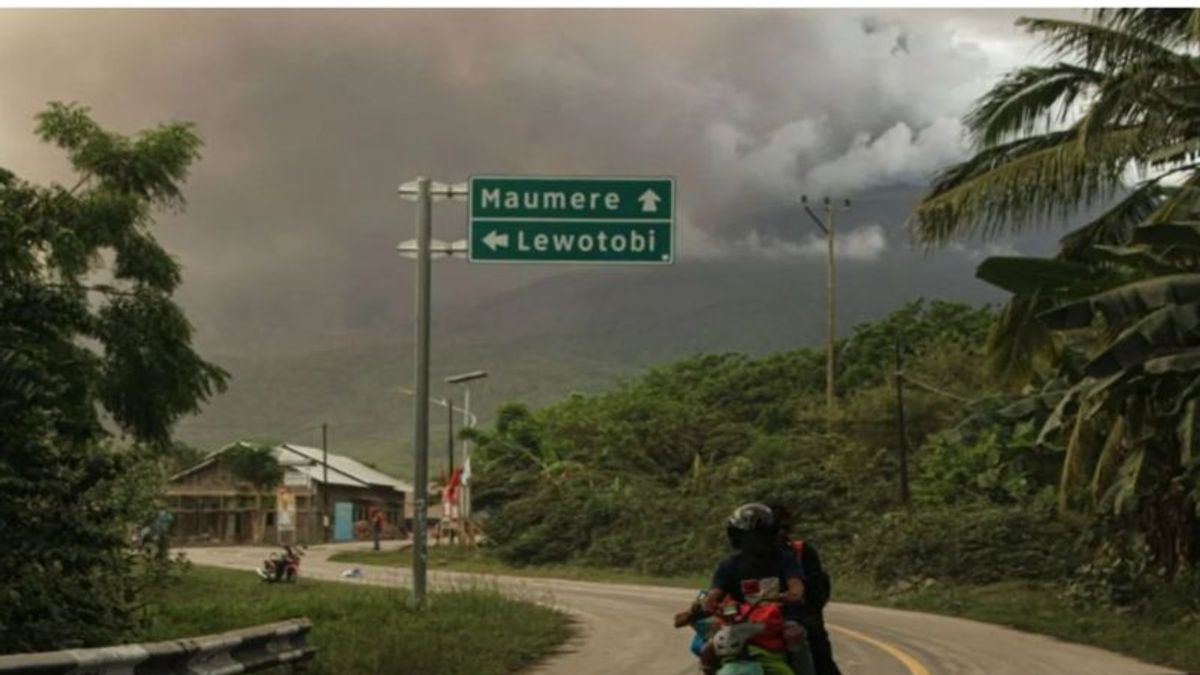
<point x="1110" y="327"/>
<point x="1051" y="139"/>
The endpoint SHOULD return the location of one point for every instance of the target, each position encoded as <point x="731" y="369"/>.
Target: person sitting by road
<point x="811" y="614"/>
<point x="759" y="571"/>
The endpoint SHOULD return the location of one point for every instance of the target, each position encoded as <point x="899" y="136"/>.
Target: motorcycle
<point x="752" y="639"/>
<point x="281" y="566"/>
<point x="731" y="642"/>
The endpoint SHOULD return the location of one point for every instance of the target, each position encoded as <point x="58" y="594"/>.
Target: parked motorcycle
<point x="281" y="566"/>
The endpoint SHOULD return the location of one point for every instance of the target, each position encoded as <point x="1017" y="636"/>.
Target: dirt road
<point x="627" y="629"/>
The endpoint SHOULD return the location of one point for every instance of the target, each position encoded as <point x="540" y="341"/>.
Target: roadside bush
<point x="977" y="544"/>
<point x="553" y="524"/>
<point x="71" y="576"/>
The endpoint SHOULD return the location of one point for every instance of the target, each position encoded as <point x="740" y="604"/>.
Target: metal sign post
<point x="423" y="191"/>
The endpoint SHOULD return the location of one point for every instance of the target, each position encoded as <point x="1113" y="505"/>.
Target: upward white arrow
<point x="649" y="200"/>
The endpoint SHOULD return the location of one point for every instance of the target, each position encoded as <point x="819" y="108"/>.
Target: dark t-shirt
<point x="748" y="579"/>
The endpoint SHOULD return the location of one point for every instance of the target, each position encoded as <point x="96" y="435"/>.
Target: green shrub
<point x="975" y="544"/>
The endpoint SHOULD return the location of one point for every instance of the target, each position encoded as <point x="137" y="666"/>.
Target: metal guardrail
<point x="240" y="651"/>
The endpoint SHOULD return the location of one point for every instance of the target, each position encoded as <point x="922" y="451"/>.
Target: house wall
<point x="390" y="501"/>
<point x="210" y="506"/>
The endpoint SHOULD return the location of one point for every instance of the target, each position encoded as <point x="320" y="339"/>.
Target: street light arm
<point x="442" y="402"/>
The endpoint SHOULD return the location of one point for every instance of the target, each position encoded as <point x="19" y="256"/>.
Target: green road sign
<point x="535" y="219"/>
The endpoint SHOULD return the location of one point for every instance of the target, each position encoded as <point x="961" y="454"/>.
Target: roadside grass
<point x="1160" y="635"/>
<point x="475" y="561"/>
<point x="360" y="629"/>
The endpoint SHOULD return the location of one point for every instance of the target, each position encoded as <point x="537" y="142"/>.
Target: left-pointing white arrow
<point x="649" y="200"/>
<point x="494" y="239"/>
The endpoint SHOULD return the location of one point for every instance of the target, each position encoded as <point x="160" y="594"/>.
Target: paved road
<point x="627" y="629"/>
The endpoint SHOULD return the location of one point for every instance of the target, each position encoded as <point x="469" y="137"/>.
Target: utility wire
<point x="929" y="387"/>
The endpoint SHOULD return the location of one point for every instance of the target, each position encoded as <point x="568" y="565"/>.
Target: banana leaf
<point x="1178" y="362"/>
<point x="1184" y="234"/>
<point x="1124" y="493"/>
<point x="1186" y="432"/>
<point x="1124" y="302"/>
<point x="1163" y="330"/>
<point x="1018" y="345"/>
<point x="1115" y="226"/>
<point x="1026" y="275"/>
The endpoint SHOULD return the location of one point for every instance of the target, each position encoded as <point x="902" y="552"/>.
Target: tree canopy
<point x="91" y="344"/>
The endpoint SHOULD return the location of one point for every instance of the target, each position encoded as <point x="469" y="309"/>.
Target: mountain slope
<point x="578" y="331"/>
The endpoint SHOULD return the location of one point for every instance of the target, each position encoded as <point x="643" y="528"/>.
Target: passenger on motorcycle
<point x="811" y="614"/>
<point x="761" y="572"/>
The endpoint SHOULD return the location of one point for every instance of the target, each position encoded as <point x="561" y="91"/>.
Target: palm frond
<point x="1094" y="44"/>
<point x="1181" y="202"/>
<point x="1027" y="98"/>
<point x="1126" y="97"/>
<point x="1044" y="177"/>
<point x="1171" y="26"/>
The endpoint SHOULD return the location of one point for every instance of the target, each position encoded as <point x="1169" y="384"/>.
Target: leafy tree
<point x="1108" y="327"/>
<point x="78" y="357"/>
<point x="868" y="355"/>
<point x="180" y="456"/>
<point x="255" y="465"/>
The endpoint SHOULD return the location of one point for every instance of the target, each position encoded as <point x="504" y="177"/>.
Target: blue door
<point x="343" y="521"/>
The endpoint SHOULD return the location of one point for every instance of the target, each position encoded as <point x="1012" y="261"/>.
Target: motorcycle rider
<point x="759" y="570"/>
<point x="276" y="566"/>
<point x="811" y="614"/>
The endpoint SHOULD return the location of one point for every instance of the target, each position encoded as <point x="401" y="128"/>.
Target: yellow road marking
<point x="914" y="666"/>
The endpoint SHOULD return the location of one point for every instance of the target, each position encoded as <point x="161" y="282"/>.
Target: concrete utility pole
<point x="325" y="481"/>
<point x="423" y="191"/>
<point x="827" y="228"/>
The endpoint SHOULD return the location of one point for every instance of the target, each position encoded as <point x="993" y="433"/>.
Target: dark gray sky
<point x="312" y="117"/>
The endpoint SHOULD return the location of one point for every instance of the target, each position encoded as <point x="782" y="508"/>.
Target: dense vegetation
<point x="642" y="476"/>
<point x="1108" y="330"/>
<point x="90" y="341"/>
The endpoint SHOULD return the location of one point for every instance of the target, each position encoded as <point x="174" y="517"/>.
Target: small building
<point x="211" y="505"/>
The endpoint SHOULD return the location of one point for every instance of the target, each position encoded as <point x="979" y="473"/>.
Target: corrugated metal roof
<point x="342" y="470"/>
<point x="308" y="461"/>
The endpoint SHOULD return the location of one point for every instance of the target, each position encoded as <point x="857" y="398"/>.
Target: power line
<point x="929" y="387"/>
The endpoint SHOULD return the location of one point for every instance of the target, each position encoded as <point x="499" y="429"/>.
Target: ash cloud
<point x="312" y="117"/>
